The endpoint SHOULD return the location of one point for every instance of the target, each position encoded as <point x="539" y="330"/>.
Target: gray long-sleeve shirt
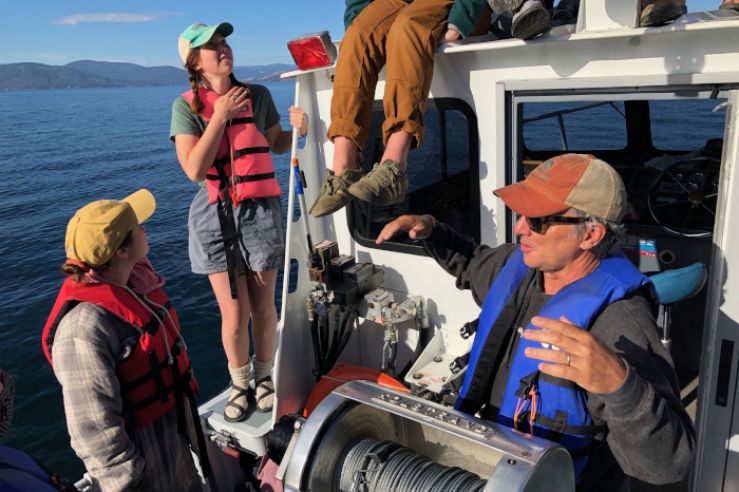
<point x="89" y="344"/>
<point x="650" y="435"/>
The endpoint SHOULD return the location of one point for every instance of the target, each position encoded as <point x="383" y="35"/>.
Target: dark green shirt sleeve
<point x="464" y="15"/>
<point x="352" y="10"/>
<point x="265" y="112"/>
<point x="184" y="122"/>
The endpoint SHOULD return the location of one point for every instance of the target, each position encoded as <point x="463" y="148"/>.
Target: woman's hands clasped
<point x="231" y="103"/>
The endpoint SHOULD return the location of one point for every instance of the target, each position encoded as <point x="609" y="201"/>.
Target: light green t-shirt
<point x="184" y="122"/>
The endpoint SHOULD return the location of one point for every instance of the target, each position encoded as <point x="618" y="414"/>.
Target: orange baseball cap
<point x="578" y="181"/>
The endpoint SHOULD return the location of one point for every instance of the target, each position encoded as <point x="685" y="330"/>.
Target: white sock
<point x="262" y="369"/>
<point x="265" y="391"/>
<point x="241" y="376"/>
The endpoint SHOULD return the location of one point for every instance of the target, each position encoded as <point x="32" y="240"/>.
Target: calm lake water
<point x="64" y="148"/>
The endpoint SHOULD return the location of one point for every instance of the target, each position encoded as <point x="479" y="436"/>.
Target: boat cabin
<point x="659" y="104"/>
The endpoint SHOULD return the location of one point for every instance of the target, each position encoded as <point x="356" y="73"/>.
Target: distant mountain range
<point x="88" y="74"/>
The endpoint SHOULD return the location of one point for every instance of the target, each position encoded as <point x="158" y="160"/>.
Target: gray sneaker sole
<point x="531" y="23"/>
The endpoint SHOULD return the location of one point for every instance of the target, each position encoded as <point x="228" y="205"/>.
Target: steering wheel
<point x="682" y="198"/>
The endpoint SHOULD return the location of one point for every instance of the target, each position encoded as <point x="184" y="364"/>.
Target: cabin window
<point x="605" y="123"/>
<point x="665" y="149"/>
<point x="685" y="124"/>
<point x="442" y="172"/>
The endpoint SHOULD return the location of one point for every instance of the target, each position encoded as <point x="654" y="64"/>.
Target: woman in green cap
<point x="224" y="131"/>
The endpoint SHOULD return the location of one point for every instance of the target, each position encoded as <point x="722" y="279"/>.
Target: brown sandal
<point x="240" y="391"/>
<point x="265" y="388"/>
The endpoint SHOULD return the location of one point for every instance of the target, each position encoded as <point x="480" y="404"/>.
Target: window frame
<point x="473" y="141"/>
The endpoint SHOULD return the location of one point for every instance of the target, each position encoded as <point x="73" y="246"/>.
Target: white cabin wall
<point x="718" y="450"/>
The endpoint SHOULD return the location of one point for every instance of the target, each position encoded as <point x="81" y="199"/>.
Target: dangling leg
<point x="361" y="57"/>
<point x="411" y="44"/>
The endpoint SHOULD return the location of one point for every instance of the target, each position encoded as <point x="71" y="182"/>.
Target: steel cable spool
<point x="388" y="466"/>
<point x="353" y="462"/>
<point x="394" y="469"/>
<point x="416" y="467"/>
<point x="371" y="465"/>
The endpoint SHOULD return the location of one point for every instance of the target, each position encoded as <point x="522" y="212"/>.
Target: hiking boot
<point x="333" y="194"/>
<point x="531" y="20"/>
<point x="386" y="184"/>
<point x="660" y="12"/>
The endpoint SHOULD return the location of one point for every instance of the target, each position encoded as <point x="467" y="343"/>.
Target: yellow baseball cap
<point x="98" y="229"/>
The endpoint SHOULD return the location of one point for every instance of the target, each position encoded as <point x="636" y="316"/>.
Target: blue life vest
<point x="19" y="473"/>
<point x="561" y="406"/>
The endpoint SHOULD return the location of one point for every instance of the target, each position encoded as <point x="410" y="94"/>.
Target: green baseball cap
<point x="198" y="34"/>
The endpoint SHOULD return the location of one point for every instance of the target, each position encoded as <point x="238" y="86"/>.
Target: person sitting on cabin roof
<point x="114" y="340"/>
<point x="661" y="12"/>
<point x="403" y="36"/>
<point x="566" y="345"/>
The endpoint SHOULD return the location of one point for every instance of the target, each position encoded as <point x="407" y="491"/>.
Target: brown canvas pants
<point x="403" y="37"/>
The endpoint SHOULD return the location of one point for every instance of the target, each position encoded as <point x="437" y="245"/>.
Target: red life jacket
<point x="155" y="374"/>
<point x="242" y="163"/>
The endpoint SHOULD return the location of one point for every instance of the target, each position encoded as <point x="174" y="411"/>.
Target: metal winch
<point x="365" y="437"/>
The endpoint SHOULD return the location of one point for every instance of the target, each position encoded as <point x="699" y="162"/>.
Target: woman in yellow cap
<point x="114" y="341"/>
<point x="224" y="131"/>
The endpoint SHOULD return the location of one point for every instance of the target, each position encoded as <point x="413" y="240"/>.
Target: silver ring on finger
<point x="569" y="359"/>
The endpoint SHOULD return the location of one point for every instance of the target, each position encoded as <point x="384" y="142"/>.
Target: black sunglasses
<point x="540" y="225"/>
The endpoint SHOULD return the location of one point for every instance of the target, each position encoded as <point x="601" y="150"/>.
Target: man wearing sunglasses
<point x="566" y="345"/>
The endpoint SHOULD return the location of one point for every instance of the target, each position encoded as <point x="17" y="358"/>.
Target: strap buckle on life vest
<point x="528" y="396"/>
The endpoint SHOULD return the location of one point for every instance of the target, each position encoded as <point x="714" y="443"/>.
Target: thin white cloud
<point x="73" y="20"/>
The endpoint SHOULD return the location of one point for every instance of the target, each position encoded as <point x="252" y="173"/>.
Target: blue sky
<point x="145" y="31"/>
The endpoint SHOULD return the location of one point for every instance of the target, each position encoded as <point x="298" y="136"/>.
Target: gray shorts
<point x="259" y="226"/>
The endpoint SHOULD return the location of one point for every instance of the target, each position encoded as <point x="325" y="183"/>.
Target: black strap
<point x="195" y="434"/>
<point x="228" y="233"/>
<point x="161" y="394"/>
<point x="243" y="178"/>
<point x="66" y="308"/>
<point x="244" y="120"/>
<point x="564" y="383"/>
<point x="160" y="315"/>
<point x="240" y="153"/>
<point x="156" y="367"/>
<point x="247" y="178"/>
<point x="161" y="389"/>
<point x="558" y="427"/>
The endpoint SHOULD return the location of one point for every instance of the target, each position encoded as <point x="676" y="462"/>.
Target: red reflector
<point x="234" y="453"/>
<point x="313" y="50"/>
